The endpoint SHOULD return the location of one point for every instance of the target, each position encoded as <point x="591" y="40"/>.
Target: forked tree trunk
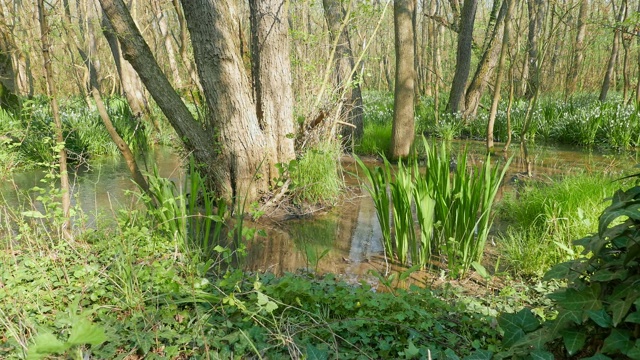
<point x="230" y="143"/>
<point x="188" y="64"/>
<point x="485" y="66"/>
<point x="578" y="50"/>
<point x="463" y="57"/>
<point x="51" y="92"/>
<point x="403" y="130"/>
<point x="163" y="26"/>
<point x="345" y="75"/>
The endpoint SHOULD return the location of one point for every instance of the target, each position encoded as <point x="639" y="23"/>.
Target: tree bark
<point x="536" y="22"/>
<point x="163" y="26"/>
<point x="129" y="80"/>
<point x="184" y="41"/>
<point x="485" y="66"/>
<point x="463" y="57"/>
<point x="403" y="129"/>
<point x="271" y="75"/>
<point x="614" y="53"/>
<point x="51" y="92"/>
<point x="578" y="50"/>
<point x="345" y="77"/>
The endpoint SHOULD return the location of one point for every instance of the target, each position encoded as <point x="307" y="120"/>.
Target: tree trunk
<point x="499" y="74"/>
<point x="614" y="54"/>
<point x="485" y="66"/>
<point x="184" y="41"/>
<point x="51" y="92"/>
<point x="536" y="22"/>
<point x="8" y="96"/>
<point x="129" y="80"/>
<point x="346" y="77"/>
<point x="578" y="50"/>
<point x="638" y="46"/>
<point x="271" y="75"/>
<point x="197" y="137"/>
<point x="163" y="26"/>
<point x="403" y="130"/>
<point x="463" y="57"/>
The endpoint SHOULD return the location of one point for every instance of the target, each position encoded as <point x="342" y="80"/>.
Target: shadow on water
<point x="345" y="240"/>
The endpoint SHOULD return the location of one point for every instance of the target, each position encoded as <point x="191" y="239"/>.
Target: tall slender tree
<point x="345" y="77"/>
<point x="578" y="50"/>
<point x="51" y="92"/>
<point x="463" y="57"/>
<point x="617" y="33"/>
<point x="403" y="130"/>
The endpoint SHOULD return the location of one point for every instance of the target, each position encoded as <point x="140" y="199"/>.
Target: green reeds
<point x="452" y="208"/>
<point x="194" y="217"/>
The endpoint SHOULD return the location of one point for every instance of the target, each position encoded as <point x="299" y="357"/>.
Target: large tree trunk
<point x="614" y="53"/>
<point x="51" y="92"/>
<point x="184" y="41"/>
<point x="403" y="112"/>
<point x="485" y="66"/>
<point x="345" y="79"/>
<point x="271" y="75"/>
<point x="463" y="57"/>
<point x="578" y="50"/>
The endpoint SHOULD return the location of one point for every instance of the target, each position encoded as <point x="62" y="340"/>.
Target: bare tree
<point x="345" y="76"/>
<point x="499" y="73"/>
<point x="614" y="51"/>
<point x="403" y="130"/>
<point x="578" y="50"/>
<point x="463" y="57"/>
<point x="536" y="10"/>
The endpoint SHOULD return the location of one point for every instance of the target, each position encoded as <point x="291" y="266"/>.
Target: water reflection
<point x="345" y="240"/>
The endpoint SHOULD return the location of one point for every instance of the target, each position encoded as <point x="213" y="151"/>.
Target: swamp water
<point x="344" y="240"/>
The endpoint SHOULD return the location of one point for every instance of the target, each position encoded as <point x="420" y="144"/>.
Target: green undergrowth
<point x="127" y="290"/>
<point x="582" y="121"/>
<point x="543" y="218"/>
<point x="30" y="132"/>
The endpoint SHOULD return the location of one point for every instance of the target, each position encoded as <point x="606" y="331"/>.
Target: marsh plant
<point x="452" y="208"/>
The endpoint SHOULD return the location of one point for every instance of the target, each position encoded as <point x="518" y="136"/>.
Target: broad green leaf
<point x="86" y="332"/>
<point x="451" y="355"/>
<point x="634" y="352"/>
<point x="313" y="353"/>
<point x="573" y="340"/>
<point x="600" y="317"/>
<point x="585" y="299"/>
<point x="45" y="344"/>
<point x="479" y="355"/>
<point x="512" y="336"/>
<point x="619" y="310"/>
<point x="541" y="355"/>
<point x="33" y="214"/>
<point x="535" y="340"/>
<point x="559" y="271"/>
<point x="598" y="357"/>
<point x="633" y="253"/>
<point x="618" y="341"/>
<point x="633" y="317"/>
<point x="411" y="351"/>
<point x="608" y="275"/>
<point x="565" y="319"/>
<point x="523" y="319"/>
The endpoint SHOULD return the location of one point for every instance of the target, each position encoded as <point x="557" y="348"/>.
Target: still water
<point x="343" y="240"/>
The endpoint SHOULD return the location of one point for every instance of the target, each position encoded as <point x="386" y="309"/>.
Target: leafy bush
<point x="599" y="310"/>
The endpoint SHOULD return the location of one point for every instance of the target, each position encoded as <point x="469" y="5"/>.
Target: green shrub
<point x="599" y="310"/>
